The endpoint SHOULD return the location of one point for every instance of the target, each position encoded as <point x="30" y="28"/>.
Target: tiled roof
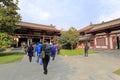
<point x="101" y="26"/>
<point x="107" y="24"/>
<point x="37" y="26"/>
<point x="86" y="28"/>
<point x="85" y="37"/>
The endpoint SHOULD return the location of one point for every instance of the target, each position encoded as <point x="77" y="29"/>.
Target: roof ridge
<point x="37" y="24"/>
<point x="107" y="21"/>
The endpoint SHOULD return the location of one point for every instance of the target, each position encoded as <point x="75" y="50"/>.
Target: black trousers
<point x="45" y="63"/>
<point x="86" y="53"/>
<point x="30" y="58"/>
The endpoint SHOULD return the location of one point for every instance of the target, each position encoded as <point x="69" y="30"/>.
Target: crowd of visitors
<point x="45" y="51"/>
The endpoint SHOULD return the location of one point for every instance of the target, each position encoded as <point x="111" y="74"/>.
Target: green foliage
<point x="8" y="15"/>
<point x="5" y="40"/>
<point x="10" y="57"/>
<point x="69" y="37"/>
<point x="63" y="39"/>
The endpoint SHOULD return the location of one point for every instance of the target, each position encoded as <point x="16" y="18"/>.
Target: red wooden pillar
<point x="108" y="38"/>
<point x="113" y="41"/>
<point x="95" y="42"/>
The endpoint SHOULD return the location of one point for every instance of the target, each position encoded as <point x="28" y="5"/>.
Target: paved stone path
<point x="94" y="67"/>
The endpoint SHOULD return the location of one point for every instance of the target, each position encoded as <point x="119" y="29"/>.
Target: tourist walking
<point x="86" y="50"/>
<point x="58" y="48"/>
<point x="26" y="48"/>
<point x="30" y="52"/>
<point x="45" y="56"/>
<point x="53" y="51"/>
<point x="38" y="50"/>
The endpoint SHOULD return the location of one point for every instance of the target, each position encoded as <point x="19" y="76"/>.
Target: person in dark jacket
<point x="86" y="50"/>
<point x="30" y="52"/>
<point x="45" y="59"/>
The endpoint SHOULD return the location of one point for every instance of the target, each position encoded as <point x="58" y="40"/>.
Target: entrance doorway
<point x="118" y="42"/>
<point x="22" y="41"/>
<point x="36" y="40"/>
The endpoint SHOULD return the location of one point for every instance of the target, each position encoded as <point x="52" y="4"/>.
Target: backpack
<point x="48" y="50"/>
<point x="42" y="54"/>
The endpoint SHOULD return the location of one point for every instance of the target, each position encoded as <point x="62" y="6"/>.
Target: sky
<point x="69" y="13"/>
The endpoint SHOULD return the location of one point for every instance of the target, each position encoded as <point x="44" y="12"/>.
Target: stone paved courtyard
<point x="94" y="67"/>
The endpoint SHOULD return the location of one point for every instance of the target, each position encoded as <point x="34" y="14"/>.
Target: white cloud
<point x="32" y="11"/>
<point x="65" y="13"/>
<point x="44" y="15"/>
<point x="110" y="9"/>
<point x="110" y="2"/>
<point x="110" y="16"/>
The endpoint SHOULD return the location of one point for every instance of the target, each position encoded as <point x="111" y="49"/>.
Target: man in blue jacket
<point x="53" y="51"/>
<point x="38" y="50"/>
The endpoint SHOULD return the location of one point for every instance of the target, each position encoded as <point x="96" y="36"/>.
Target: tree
<point x="63" y="39"/>
<point x="5" y="40"/>
<point x="8" y="15"/>
<point x="69" y="37"/>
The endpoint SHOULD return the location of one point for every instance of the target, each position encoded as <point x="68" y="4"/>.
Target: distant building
<point x="32" y="32"/>
<point x="105" y="35"/>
